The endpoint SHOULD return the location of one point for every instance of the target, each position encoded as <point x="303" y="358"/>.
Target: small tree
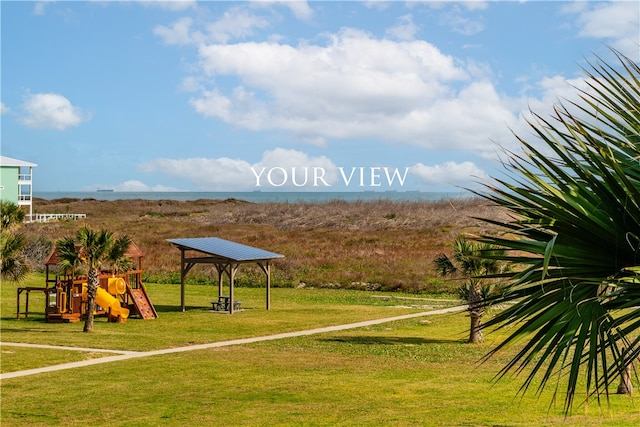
<point x="91" y="248"/>
<point x="472" y="261"/>
<point x="13" y="264"/>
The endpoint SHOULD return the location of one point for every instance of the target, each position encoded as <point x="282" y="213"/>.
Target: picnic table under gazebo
<point x="226" y="256"/>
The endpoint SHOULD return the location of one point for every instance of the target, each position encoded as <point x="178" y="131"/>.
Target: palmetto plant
<point x="472" y="260"/>
<point x="575" y="238"/>
<point x="13" y="263"/>
<point x="91" y="248"/>
<point x="10" y="215"/>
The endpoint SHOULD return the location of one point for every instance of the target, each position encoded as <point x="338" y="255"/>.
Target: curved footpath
<point x="124" y="355"/>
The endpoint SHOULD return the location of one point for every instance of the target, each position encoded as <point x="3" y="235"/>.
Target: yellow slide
<point x="105" y="300"/>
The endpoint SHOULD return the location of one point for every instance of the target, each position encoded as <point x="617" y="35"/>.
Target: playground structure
<point x="119" y="295"/>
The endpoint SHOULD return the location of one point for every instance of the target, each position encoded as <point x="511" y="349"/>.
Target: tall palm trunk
<point x="625" y="386"/>
<point x="476" y="311"/>
<point x="92" y="288"/>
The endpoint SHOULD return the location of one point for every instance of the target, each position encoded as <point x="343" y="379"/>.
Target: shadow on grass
<point x="177" y="308"/>
<point x="32" y="318"/>
<point x="373" y="340"/>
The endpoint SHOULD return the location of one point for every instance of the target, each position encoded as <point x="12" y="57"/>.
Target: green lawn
<point x="409" y="372"/>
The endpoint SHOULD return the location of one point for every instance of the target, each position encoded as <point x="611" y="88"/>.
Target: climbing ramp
<point x="142" y="303"/>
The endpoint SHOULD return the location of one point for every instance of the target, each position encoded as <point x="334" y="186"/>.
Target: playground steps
<point x="63" y="318"/>
<point x="142" y="303"/>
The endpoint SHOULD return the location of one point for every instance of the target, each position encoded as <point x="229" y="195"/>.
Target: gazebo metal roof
<point x="225" y="249"/>
<point x="226" y="256"/>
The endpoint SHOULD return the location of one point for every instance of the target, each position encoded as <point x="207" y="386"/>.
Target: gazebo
<point x="226" y="256"/>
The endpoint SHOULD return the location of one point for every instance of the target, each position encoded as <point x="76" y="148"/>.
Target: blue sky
<point x="276" y="95"/>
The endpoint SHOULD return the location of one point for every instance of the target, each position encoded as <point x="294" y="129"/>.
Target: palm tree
<point x="575" y="237"/>
<point x="117" y="256"/>
<point x="10" y="215"/>
<point x="472" y="260"/>
<point x="13" y="264"/>
<point x="69" y="257"/>
<point x="91" y="248"/>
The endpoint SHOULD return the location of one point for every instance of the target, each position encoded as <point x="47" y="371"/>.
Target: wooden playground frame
<point x="65" y="295"/>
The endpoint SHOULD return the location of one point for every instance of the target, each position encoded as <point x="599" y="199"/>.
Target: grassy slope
<point x="391" y="244"/>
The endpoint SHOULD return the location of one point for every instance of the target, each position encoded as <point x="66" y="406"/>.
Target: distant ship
<point x="105" y="190"/>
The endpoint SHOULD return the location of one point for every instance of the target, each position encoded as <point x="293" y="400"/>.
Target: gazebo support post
<point x="183" y="273"/>
<point x="266" y="268"/>
<point x="268" y="286"/>
<point x="232" y="279"/>
<point x="220" y="272"/>
<point x="184" y="269"/>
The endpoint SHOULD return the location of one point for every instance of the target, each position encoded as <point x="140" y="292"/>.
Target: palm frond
<point x="575" y="215"/>
<point x="10" y="215"/>
<point x="95" y="245"/>
<point x="13" y="264"/>
<point x="117" y="254"/>
<point x="444" y="266"/>
<point x="69" y="257"/>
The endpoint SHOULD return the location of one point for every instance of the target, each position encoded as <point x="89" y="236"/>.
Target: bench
<point x="223" y="304"/>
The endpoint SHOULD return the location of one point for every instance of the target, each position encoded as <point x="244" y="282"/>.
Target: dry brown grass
<point x="380" y="244"/>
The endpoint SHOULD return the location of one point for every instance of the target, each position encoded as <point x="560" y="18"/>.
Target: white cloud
<point x="376" y="4"/>
<point x="130" y="186"/>
<point x="465" y="174"/>
<point x="459" y="23"/>
<point x="299" y="8"/>
<point x="475" y="4"/>
<point x="454" y="14"/>
<point x="617" y="22"/>
<point x="178" y="34"/>
<point x="469" y="5"/>
<point x="405" y="29"/>
<point x="206" y="174"/>
<point x="355" y="86"/>
<point x="173" y="5"/>
<point x="134" y="185"/>
<point x="236" y="23"/>
<point x="40" y="6"/>
<point x="556" y="94"/>
<point x="51" y="111"/>
<point x="273" y="171"/>
<point x="4" y="109"/>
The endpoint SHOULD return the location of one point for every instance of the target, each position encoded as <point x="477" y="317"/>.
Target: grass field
<point x="404" y="373"/>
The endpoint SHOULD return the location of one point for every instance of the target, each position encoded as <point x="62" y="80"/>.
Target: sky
<point x="290" y="95"/>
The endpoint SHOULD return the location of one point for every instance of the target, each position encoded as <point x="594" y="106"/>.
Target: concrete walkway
<point x="124" y="355"/>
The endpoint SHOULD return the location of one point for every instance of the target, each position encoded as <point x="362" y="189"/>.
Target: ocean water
<point x="256" y="196"/>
